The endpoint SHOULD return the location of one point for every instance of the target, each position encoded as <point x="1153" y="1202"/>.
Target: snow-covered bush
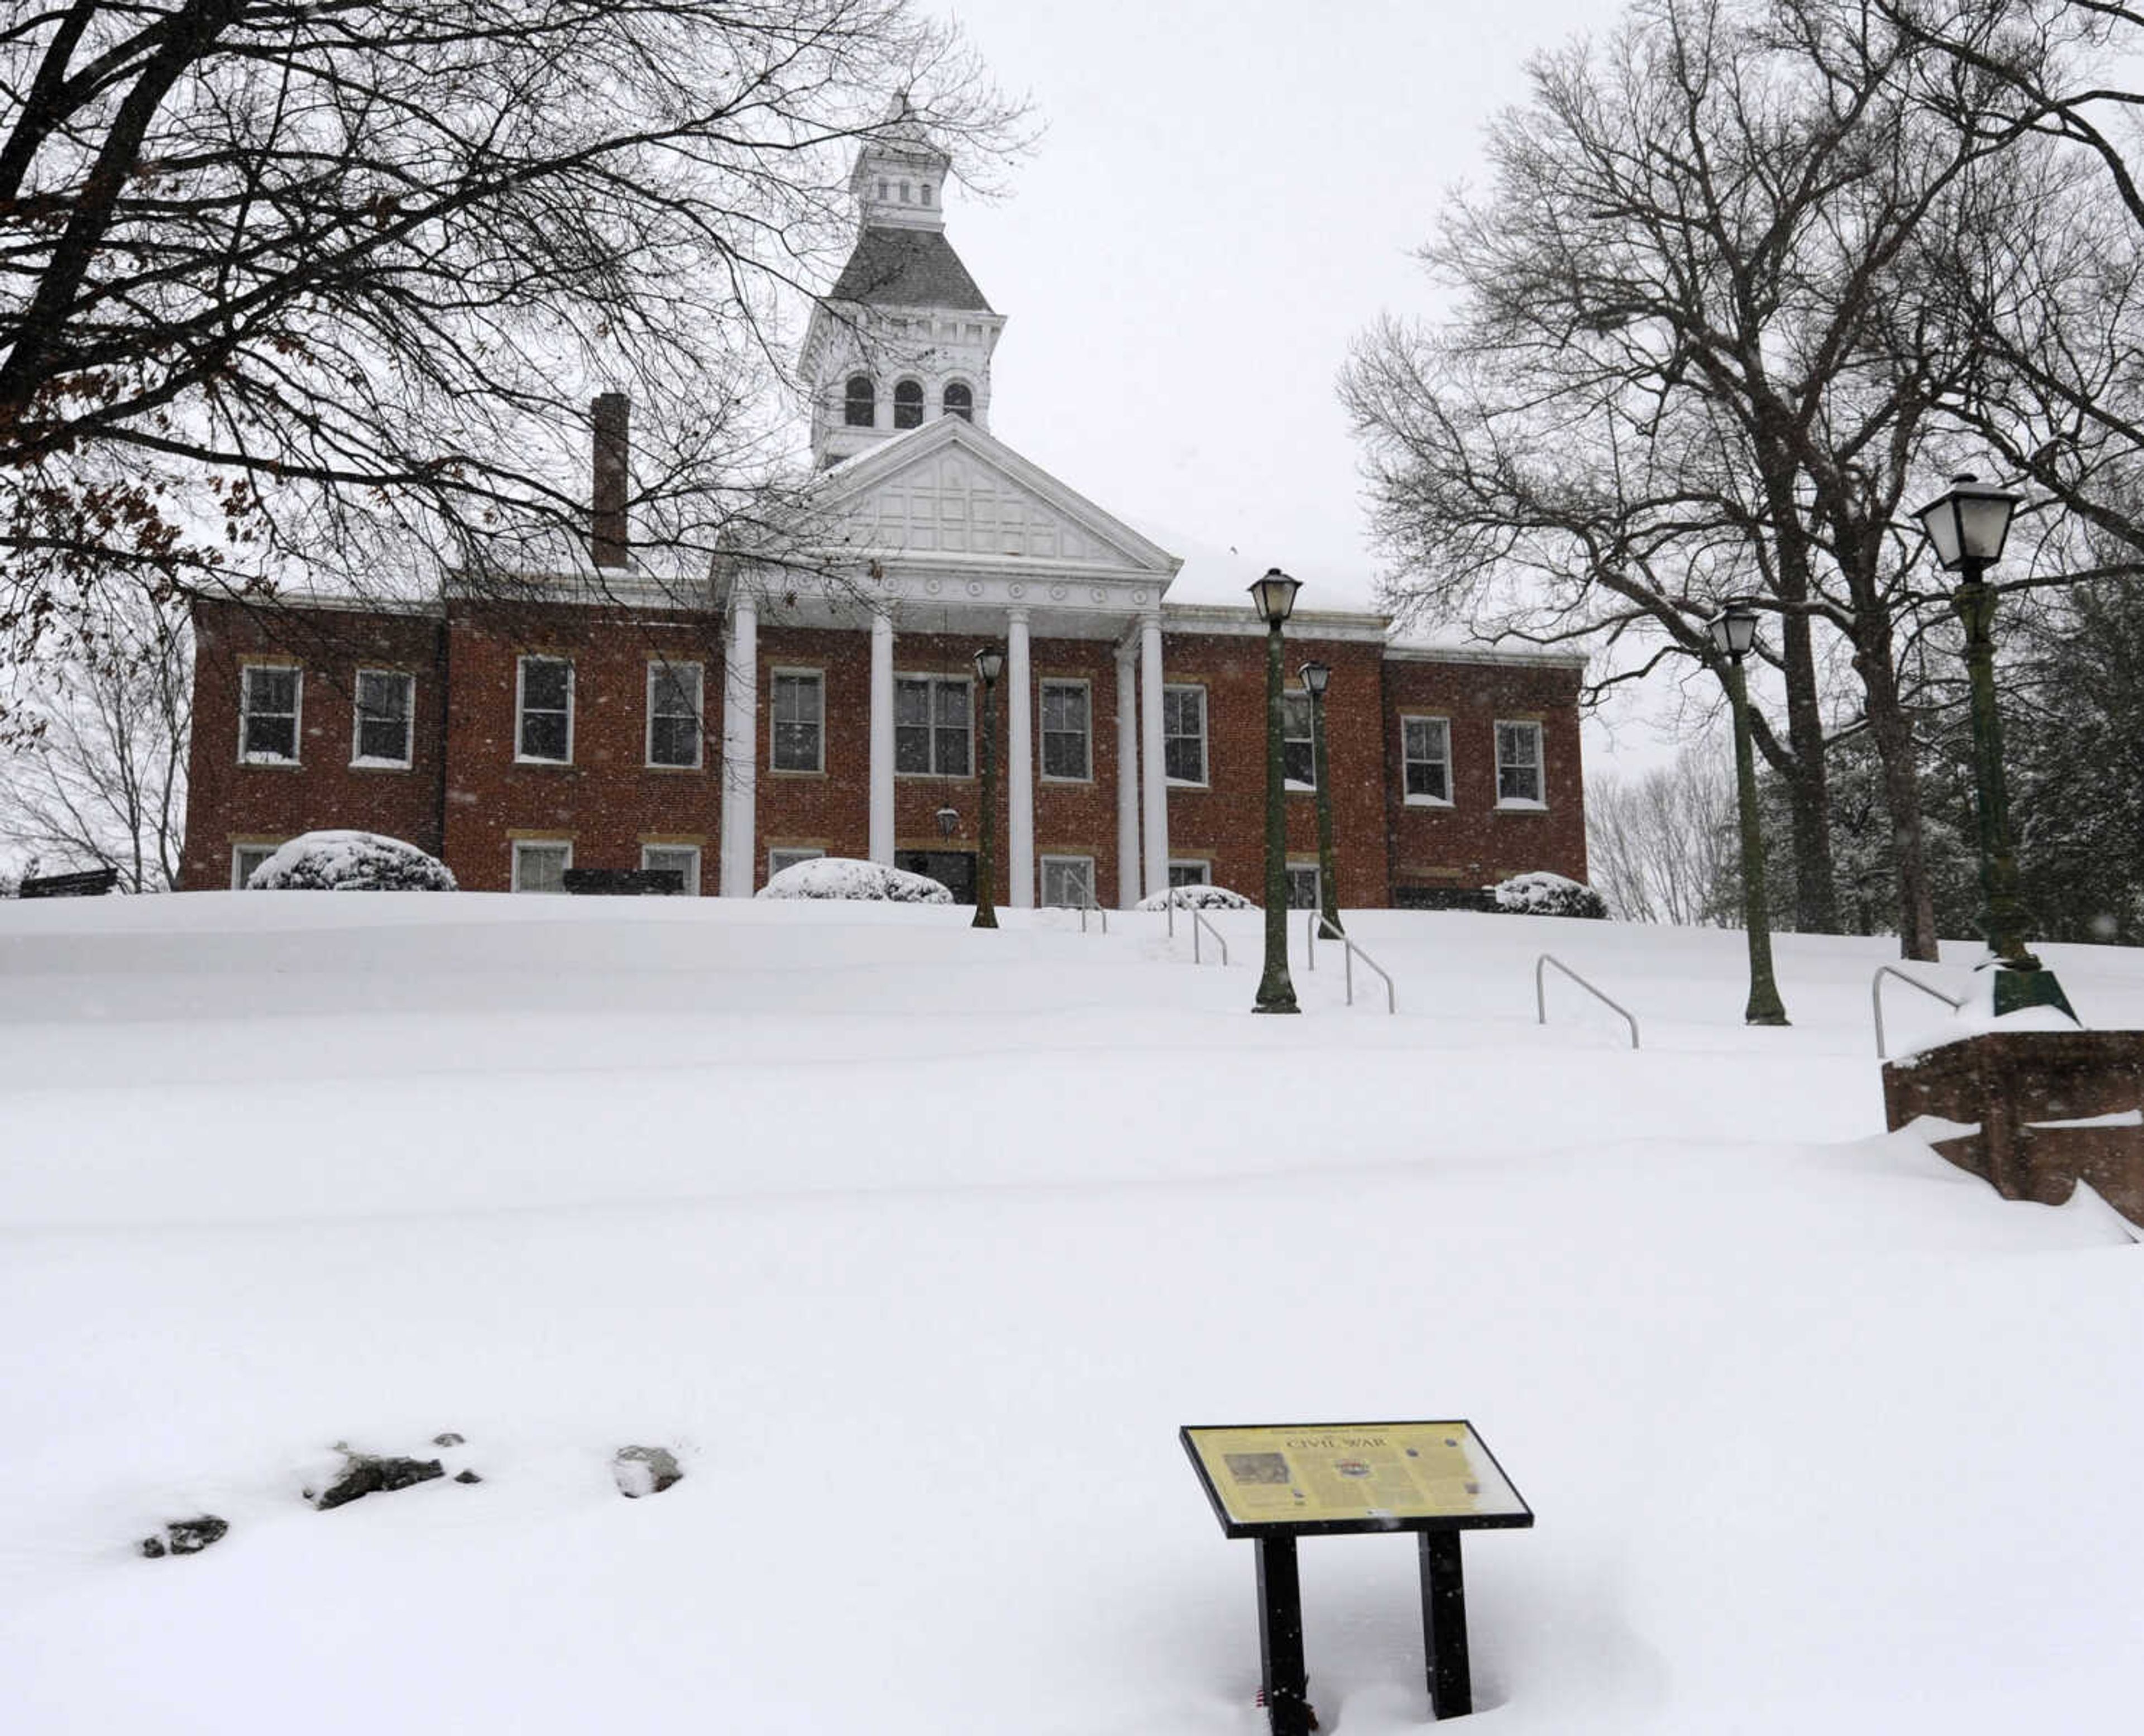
<point x="1547" y="894"/>
<point x="1197" y="898"/>
<point x="845" y="877"/>
<point x="339" y="861"/>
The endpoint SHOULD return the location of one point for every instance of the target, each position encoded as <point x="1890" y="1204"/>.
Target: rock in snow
<point x="363" y="1474"/>
<point x="185" y="1536"/>
<point x="644" y="1471"/>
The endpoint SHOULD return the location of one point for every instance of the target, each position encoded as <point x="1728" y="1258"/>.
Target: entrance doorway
<point x="955" y="870"/>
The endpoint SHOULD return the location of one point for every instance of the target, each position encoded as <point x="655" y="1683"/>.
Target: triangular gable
<point x="949" y="489"/>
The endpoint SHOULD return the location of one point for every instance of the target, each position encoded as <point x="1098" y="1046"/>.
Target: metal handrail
<point x="1541" y="993"/>
<point x="1353" y="952"/>
<point x="1198" y="921"/>
<point x="1099" y="911"/>
<point x="1876" y="1000"/>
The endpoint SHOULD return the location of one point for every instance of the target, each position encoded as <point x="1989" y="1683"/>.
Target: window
<point x="1426" y="760"/>
<point x="860" y="402"/>
<point x="908" y="404"/>
<point x="904" y="192"/>
<point x="1296" y="765"/>
<point x="381" y="735"/>
<point x="268" y="714"/>
<point x="1519" y="766"/>
<point x="778" y="860"/>
<point x="1303" y="886"/>
<point x="799" y="711"/>
<point x="673" y="714"/>
<point x="882" y="186"/>
<point x="539" y="866"/>
<point x="1065" y="735"/>
<point x="1191" y="874"/>
<point x="959" y="401"/>
<point x="1068" y="881"/>
<point x="926" y="192"/>
<point x="931" y="731"/>
<point x="682" y="860"/>
<point x="244" y="858"/>
<point x="1183" y="734"/>
<point x="544" y="727"/>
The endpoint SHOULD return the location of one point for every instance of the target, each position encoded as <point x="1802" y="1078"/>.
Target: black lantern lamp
<point x="989" y="665"/>
<point x="1733" y="632"/>
<point x="1967" y="524"/>
<point x="1273" y="596"/>
<point x="1315" y="677"/>
<point x="949" y="821"/>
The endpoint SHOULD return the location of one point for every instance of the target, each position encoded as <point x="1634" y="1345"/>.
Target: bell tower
<point x="905" y="335"/>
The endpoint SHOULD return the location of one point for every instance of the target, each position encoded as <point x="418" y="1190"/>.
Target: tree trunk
<point x="1893" y="732"/>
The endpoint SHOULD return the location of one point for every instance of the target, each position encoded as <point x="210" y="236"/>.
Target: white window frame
<point x="1085" y="865"/>
<point x="521" y="710"/>
<point x="1522" y="803"/>
<point x="775" y="677"/>
<point x="1202" y="868"/>
<point x="518" y="844"/>
<point x="1289" y="703"/>
<point x="935" y="682"/>
<point x="1407" y="759"/>
<point x="795" y="853"/>
<point x="297" y="713"/>
<point x="357" y="756"/>
<point x="1205" y="755"/>
<point x="1317" y="887"/>
<point x="1086" y="775"/>
<point x="692" y="887"/>
<point x="240" y="850"/>
<point x="656" y="665"/>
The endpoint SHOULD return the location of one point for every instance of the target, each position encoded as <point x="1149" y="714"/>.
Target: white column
<point x="882" y="738"/>
<point x="740" y="844"/>
<point x="1128" y="779"/>
<point x="1019" y="764"/>
<point x="1154" y="772"/>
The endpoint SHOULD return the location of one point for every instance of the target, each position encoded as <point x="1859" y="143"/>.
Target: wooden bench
<point x="625" y="882"/>
<point x="93" y="883"/>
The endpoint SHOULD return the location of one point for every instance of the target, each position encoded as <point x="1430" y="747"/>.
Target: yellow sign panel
<point x="1360" y="1475"/>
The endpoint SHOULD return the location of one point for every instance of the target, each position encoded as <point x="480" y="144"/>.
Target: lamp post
<point x="1273" y="596"/>
<point x="1968" y="524"/>
<point x="1315" y="676"/>
<point x="1733" y="631"/>
<point x="989" y="665"/>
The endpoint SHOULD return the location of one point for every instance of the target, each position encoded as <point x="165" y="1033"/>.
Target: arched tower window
<point x="859" y="407"/>
<point x="959" y="401"/>
<point x="908" y="404"/>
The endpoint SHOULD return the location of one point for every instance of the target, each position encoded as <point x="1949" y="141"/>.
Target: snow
<point x="845" y="877"/>
<point x="1196" y="898"/>
<point x="917" y="1244"/>
<point x="350" y="861"/>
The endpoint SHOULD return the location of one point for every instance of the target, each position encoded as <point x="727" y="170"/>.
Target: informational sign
<point x="1305" y="1478"/>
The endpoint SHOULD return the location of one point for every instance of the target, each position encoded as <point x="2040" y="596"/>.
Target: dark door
<point x="955" y="870"/>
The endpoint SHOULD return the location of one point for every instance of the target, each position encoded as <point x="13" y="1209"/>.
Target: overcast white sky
<point x="1226" y="191"/>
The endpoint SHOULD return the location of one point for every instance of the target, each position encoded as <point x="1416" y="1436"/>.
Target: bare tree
<point x="102" y="781"/>
<point x="1662" y="846"/>
<point x="324" y="286"/>
<point x="1688" y="360"/>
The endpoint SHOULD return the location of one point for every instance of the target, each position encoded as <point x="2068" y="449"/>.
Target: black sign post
<point x="1273" y="1484"/>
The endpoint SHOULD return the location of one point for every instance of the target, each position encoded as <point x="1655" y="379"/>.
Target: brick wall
<point x="466" y="798"/>
<point x="230" y="803"/>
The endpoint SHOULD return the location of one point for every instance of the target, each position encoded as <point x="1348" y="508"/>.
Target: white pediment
<point x="950" y="492"/>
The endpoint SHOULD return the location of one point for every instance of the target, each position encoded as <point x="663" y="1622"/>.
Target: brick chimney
<point x="609" y="542"/>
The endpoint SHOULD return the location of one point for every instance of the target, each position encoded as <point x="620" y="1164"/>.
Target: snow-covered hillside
<point x="918" y="1244"/>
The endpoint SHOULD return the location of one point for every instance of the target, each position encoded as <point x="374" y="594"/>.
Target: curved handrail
<point x="1353" y="952"/>
<point x="1876" y="1000"/>
<point x="1099" y="910"/>
<point x="1198" y="921"/>
<point x="1541" y="993"/>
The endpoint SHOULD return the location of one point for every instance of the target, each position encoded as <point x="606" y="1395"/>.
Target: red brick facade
<point x="466" y="797"/>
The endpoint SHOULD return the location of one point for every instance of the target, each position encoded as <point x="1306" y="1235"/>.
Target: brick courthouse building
<point x="728" y="726"/>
